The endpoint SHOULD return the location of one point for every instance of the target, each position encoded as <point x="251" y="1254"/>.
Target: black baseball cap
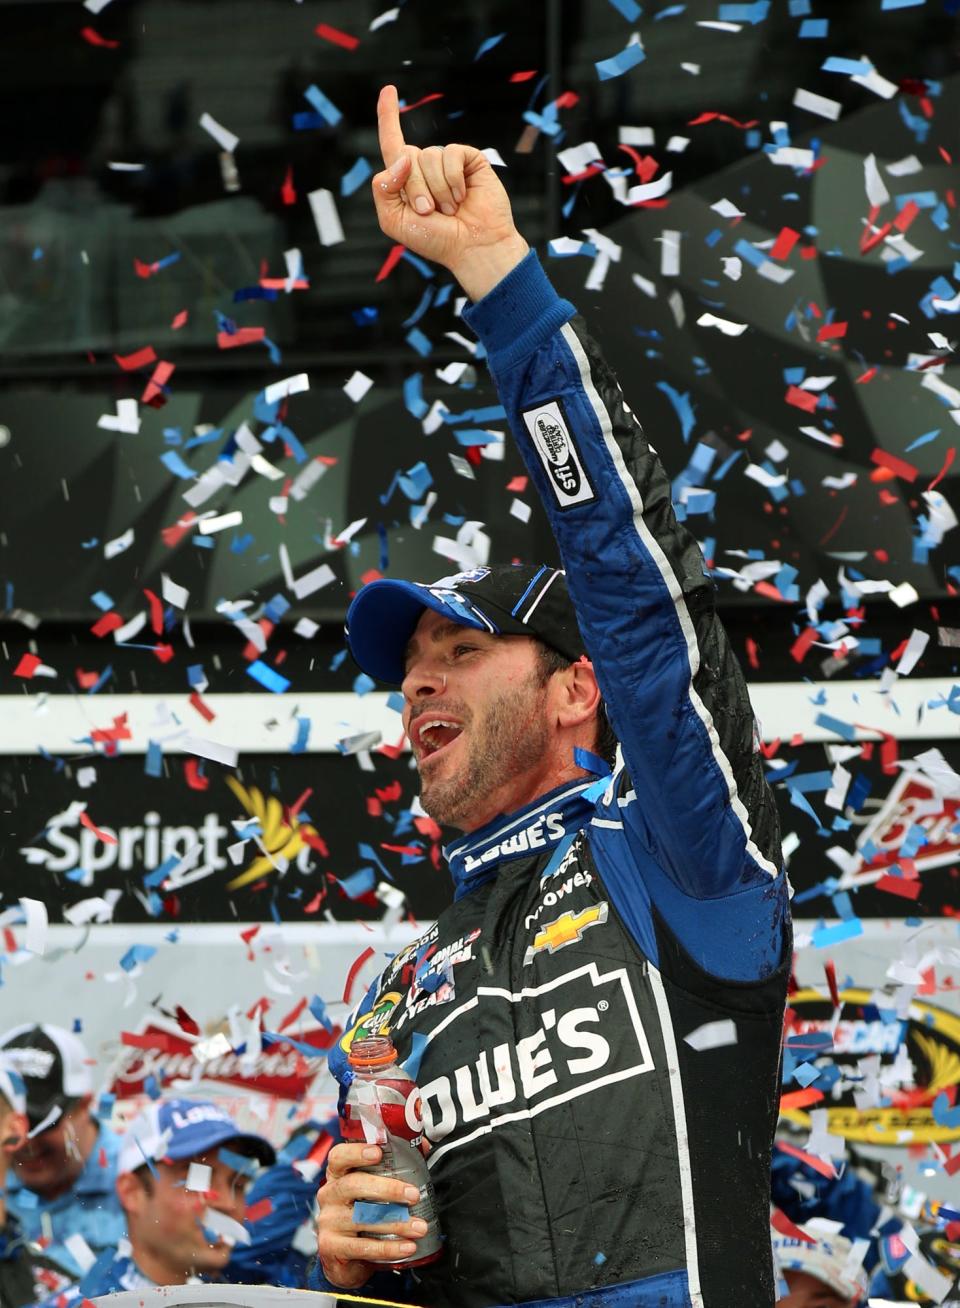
<point x="506" y="600"/>
<point x="53" y="1065"/>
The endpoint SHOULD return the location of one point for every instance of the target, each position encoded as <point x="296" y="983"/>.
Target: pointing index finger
<point x="388" y="126"/>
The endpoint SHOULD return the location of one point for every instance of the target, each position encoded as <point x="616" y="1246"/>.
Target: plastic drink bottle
<point x="383" y="1107"/>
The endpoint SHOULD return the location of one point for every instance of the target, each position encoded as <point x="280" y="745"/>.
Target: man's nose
<point x="423" y="680"/>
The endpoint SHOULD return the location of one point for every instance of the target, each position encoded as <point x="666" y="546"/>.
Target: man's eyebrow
<point x="439" y="633"/>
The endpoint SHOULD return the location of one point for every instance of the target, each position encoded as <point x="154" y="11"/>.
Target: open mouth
<point x="435" y="736"/>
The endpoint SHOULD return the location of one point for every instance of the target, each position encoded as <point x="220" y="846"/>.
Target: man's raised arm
<point x="673" y="688"/>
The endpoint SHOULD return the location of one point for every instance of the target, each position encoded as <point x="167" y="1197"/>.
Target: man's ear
<point x="14" y="1129"/>
<point x="580" y="698"/>
<point x="131" y="1193"/>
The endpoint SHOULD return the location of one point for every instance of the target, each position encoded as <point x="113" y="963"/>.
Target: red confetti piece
<point x="163" y="653"/>
<point x="752" y="658"/>
<point x="405" y="108"/>
<point x="105" y="836"/>
<point x="867" y="376"/>
<point x="315" y="902"/>
<point x="186" y="1021"/>
<point x="836" y="526"/>
<point x="167" y="1044"/>
<point x="801" y="645"/>
<point x="119" y="730"/>
<point x="413" y="850"/>
<point x="173" y="535"/>
<point x="203" y="709"/>
<point x="288" y="192"/>
<point x="800" y="1098"/>
<point x="818" y="1164"/>
<point x="179" y="320"/>
<point x="571" y="178"/>
<point x="256" y="1212"/>
<point x="315" y="842"/>
<point x="524" y="76"/>
<point x="86" y="680"/>
<point x="832" y="331"/>
<point x="899" y="467"/>
<point x="194" y="779"/>
<point x="720" y="118"/>
<point x="27" y="666"/>
<point x="292" y="1016"/>
<point x="156" y="611"/>
<point x="153" y="393"/>
<point x="355" y="967"/>
<point x="247" y="935"/>
<point x="948" y="461"/>
<point x="801" y="399"/>
<point x="784" y="243"/>
<point x="93" y="37"/>
<point x="139" y="359"/>
<point x="831" y="974"/>
<point x="242" y="336"/>
<point x="899" y="886"/>
<point x="336" y="37"/>
<point x="782" y="1223"/>
<point x="390" y="262"/>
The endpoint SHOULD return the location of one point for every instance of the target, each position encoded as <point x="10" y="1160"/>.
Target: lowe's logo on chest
<point x="547" y="830"/>
<point x="587" y="1033"/>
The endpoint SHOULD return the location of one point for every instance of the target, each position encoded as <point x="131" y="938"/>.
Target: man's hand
<point x="348" y="1258"/>
<point x="446" y="204"/>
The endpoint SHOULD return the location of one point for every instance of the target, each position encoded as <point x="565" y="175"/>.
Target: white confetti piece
<point x="210" y="749"/>
<point x="325" y="216"/>
<point x="817" y="104"/>
<point x="670" y="253"/>
<point x="220" y="522"/>
<point x="518" y="509"/>
<point x="80" y="1251"/>
<point x="357" y="386"/>
<point x="126" y="419"/>
<point x="232" y="1232"/>
<point x="713" y="1035"/>
<point x="388" y="16"/>
<point x="173" y="593"/>
<point x="722" y="324"/>
<point x="903" y="595"/>
<point x="199" y="1175"/>
<point x="35" y="936"/>
<point x="278" y="390"/>
<point x="117" y="546"/>
<point x="222" y="135"/>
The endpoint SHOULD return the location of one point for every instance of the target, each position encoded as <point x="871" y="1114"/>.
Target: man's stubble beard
<point x="509" y="739"/>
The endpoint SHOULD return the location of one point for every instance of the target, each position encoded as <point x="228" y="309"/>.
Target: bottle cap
<point x="372" y="1051"/>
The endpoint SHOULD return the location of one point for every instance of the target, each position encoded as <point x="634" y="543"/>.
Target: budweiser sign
<point x="912" y="801"/>
<point x="163" y="1051"/>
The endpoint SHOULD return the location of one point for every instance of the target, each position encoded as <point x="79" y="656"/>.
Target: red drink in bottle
<point x="383" y="1108"/>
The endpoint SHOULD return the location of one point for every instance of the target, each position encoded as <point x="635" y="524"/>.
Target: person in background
<point x="819" y="1275"/>
<point x="26" y="1275"/>
<point x="182" y="1179"/>
<point x="61" y="1184"/>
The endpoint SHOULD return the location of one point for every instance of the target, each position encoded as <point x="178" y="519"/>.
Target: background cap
<point x="184" y="1128"/>
<point x="528" y="600"/>
<point x="827" y="1260"/>
<point x="53" y="1065"/>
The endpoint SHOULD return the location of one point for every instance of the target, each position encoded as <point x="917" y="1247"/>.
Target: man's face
<point x="492" y="752"/>
<point x="51" y="1162"/>
<point x="808" y="1291"/>
<point x="165" y="1221"/>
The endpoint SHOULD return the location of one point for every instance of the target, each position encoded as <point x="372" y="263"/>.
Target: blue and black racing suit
<point x="602" y="1003"/>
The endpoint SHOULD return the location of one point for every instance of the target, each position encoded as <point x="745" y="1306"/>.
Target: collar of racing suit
<point x="546" y="822"/>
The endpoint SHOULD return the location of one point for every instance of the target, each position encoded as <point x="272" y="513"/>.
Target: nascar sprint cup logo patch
<point x="551" y="438"/>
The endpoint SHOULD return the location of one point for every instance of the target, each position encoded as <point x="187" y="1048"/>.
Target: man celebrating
<point x="61" y="1185"/>
<point x="182" y="1177"/>
<point x="599" y="1012"/>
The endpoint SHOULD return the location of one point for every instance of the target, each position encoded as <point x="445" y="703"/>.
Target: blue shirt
<point x="91" y="1208"/>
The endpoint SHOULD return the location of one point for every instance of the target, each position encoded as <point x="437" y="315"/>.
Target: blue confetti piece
<point x="102" y="600"/>
<point x="672" y="12"/>
<point x="366" y="1213"/>
<point x="925" y="439"/>
<point x="599" y="1258"/>
<point x="682" y="407"/>
<point x="591" y="762"/>
<point x="366" y="316"/>
<point x="137" y="954"/>
<point x="413" y="399"/>
<point x="418" y="1047"/>
<point x="153" y="763"/>
<point x="901" y="4"/>
<point x="358" y="883"/>
<point x="825" y="936"/>
<point x="487" y="45"/>
<point x="238" y="1162"/>
<point x="852" y="67"/>
<point x="806" y="1074"/>
<point x="102" y="680"/>
<point x="240" y="544"/>
<point x="268" y="677"/>
<point x="750" y="13"/>
<point x="425" y="301"/>
<point x="620" y="63"/>
<point x="838" y="727"/>
<point x="319" y="1010"/>
<point x="355" y="177"/>
<point x="363" y="684"/>
<point x="417" y="341"/>
<point x="814" y="29"/>
<point x="175" y="464"/>
<point x="630" y="10"/>
<point x="303" y="735"/>
<point x="160" y="874"/>
<point x="324" y="107"/>
<point x="943" y="1114"/>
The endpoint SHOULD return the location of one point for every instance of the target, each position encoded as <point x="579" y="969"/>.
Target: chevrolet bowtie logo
<point x="566" y="929"/>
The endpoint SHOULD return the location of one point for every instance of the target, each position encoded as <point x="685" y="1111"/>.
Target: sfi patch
<point x="555" y="447"/>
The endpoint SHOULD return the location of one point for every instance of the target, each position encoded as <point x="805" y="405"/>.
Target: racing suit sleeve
<point x="672" y="685"/>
